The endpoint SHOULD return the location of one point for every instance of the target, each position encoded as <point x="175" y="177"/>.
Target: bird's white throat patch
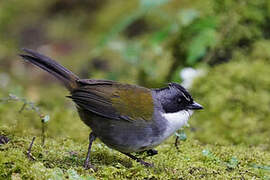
<point x="176" y="121"/>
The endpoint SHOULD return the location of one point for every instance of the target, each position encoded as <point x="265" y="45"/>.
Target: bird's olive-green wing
<point x="114" y="100"/>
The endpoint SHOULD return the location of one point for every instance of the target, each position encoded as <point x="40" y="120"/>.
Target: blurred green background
<point x="145" y="42"/>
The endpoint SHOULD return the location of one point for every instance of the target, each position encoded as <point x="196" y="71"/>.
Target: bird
<point x="125" y="117"/>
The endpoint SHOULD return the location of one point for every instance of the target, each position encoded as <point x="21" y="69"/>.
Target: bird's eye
<point x="179" y="100"/>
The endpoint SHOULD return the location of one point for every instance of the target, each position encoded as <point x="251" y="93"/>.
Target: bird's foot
<point x="146" y="164"/>
<point x="151" y="152"/>
<point x="89" y="166"/>
<point x="139" y="160"/>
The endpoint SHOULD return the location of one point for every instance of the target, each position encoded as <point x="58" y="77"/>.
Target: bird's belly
<point x="122" y="135"/>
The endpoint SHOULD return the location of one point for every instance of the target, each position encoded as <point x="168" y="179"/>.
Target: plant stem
<point x="29" y="155"/>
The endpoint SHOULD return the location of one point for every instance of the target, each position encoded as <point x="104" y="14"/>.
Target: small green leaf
<point x="57" y="174"/>
<point x="89" y="178"/>
<point x="211" y="156"/>
<point x="72" y="174"/>
<point x="182" y="135"/>
<point x="206" y="152"/>
<point x="233" y="163"/>
<point x="260" y="167"/>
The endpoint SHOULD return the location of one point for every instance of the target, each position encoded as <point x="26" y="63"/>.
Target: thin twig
<point x="43" y="133"/>
<point x="176" y="142"/>
<point x="22" y="108"/>
<point x="29" y="155"/>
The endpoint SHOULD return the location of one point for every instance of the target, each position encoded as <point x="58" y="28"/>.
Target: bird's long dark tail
<point x="64" y="75"/>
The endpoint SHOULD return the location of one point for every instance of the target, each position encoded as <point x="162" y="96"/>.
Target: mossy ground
<point x="228" y="139"/>
<point x="63" y="158"/>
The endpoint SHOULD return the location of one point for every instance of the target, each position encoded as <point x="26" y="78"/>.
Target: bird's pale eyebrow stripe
<point x="187" y="98"/>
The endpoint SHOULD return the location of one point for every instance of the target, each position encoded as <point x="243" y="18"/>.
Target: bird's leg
<point x="176" y="142"/>
<point x="151" y="152"/>
<point x="139" y="160"/>
<point x="92" y="137"/>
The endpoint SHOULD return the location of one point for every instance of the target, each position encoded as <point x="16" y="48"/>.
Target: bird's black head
<point x="175" y="98"/>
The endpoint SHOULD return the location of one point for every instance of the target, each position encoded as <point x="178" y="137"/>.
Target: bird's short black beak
<point x="194" y="106"/>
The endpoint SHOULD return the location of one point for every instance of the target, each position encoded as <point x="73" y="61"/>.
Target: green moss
<point x="236" y="100"/>
<point x="261" y="50"/>
<point x="64" y="158"/>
